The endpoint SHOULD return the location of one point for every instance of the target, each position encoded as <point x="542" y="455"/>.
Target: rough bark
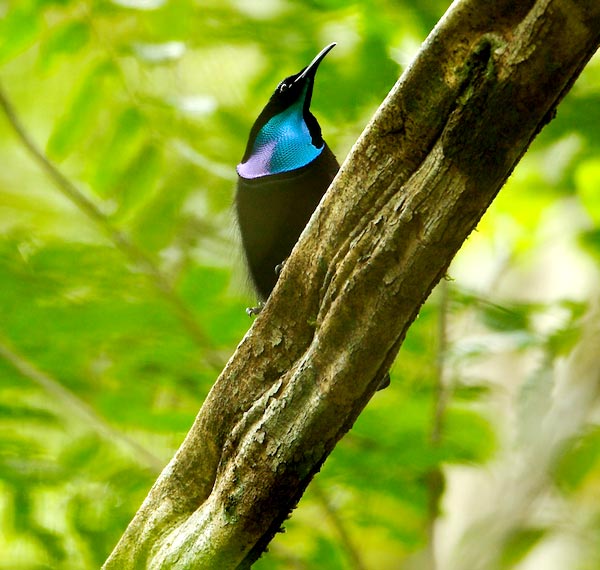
<point x="416" y="183"/>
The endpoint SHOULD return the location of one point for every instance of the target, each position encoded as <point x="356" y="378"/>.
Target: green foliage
<point x="581" y="462"/>
<point x="146" y="106"/>
<point x="519" y="544"/>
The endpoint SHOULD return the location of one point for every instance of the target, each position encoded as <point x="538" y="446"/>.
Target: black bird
<point x="285" y="170"/>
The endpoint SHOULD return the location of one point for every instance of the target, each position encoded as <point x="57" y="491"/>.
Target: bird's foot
<point x="279" y="267"/>
<point x="384" y="382"/>
<point x="253" y="311"/>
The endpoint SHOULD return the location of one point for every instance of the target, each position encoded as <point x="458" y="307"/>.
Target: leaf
<point x="65" y="39"/>
<point x="156" y="222"/>
<point x="587" y="180"/>
<point x="471" y="392"/>
<point x="563" y="340"/>
<point x="580" y="459"/>
<point x="519" y="544"/>
<point x="21" y="412"/>
<point x="19" y="30"/>
<point x="117" y="149"/>
<point x="80" y="118"/>
<point x="138" y="180"/>
<point x="504" y="319"/>
<point x="467" y="437"/>
<point x="80" y="453"/>
<point x="590" y="242"/>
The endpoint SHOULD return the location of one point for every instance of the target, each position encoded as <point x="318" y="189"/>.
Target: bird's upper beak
<point x="311" y="69"/>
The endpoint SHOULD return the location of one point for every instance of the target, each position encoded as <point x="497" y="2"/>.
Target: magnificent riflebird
<point x="285" y="170"/>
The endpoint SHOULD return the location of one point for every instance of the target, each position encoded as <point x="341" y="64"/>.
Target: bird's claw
<point x="279" y="267"/>
<point x="253" y="311"/>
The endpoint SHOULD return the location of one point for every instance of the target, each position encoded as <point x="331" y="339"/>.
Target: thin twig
<point x="441" y="391"/>
<point x="75" y="404"/>
<point x="356" y="562"/>
<point x="135" y="254"/>
<point x="435" y="478"/>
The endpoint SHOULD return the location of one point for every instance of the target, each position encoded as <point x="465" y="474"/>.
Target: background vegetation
<point x="121" y="297"/>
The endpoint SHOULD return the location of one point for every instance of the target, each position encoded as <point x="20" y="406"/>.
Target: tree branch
<point x="354" y="559"/>
<point x="416" y="183"/>
<point x="435" y="477"/>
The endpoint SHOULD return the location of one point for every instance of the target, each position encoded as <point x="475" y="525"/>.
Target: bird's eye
<point x="283" y="87"/>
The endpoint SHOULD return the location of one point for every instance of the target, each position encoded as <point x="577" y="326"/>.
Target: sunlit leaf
<point x="497" y="317"/>
<point x="468" y="437"/>
<point x="118" y="148"/>
<point x="580" y="460"/>
<point x="519" y="544"/>
<point x="20" y="412"/>
<point x="590" y="241"/>
<point x="19" y="29"/>
<point x="471" y="392"/>
<point x="82" y="115"/>
<point x="65" y="39"/>
<point x="587" y="179"/>
<point x="138" y="180"/>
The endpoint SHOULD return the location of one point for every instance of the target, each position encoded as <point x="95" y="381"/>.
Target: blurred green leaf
<point x="563" y="340"/>
<point x="471" y="392"/>
<point x="117" y="150"/>
<point x="580" y="460"/>
<point x="80" y="453"/>
<point x="468" y="437"/>
<point x="587" y="180"/>
<point x="82" y="115"/>
<point x="503" y="318"/>
<point x="64" y="40"/>
<point x="157" y="220"/>
<point x="138" y="180"/>
<point x="19" y="30"/>
<point x="17" y="411"/>
<point x="519" y="544"/>
<point x="590" y="241"/>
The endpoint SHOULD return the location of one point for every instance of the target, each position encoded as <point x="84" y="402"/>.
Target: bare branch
<point x="353" y="553"/>
<point x="435" y="477"/>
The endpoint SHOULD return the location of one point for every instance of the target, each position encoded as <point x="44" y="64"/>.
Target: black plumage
<point x="285" y="170"/>
<point x="272" y="212"/>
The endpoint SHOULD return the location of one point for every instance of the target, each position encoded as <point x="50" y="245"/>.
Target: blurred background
<point x="122" y="294"/>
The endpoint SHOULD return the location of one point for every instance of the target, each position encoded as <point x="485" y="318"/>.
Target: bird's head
<point x="286" y="135"/>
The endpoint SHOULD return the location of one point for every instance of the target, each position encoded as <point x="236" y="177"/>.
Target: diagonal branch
<point x="355" y="561"/>
<point x="415" y="185"/>
<point x="134" y="253"/>
<point x="435" y="479"/>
